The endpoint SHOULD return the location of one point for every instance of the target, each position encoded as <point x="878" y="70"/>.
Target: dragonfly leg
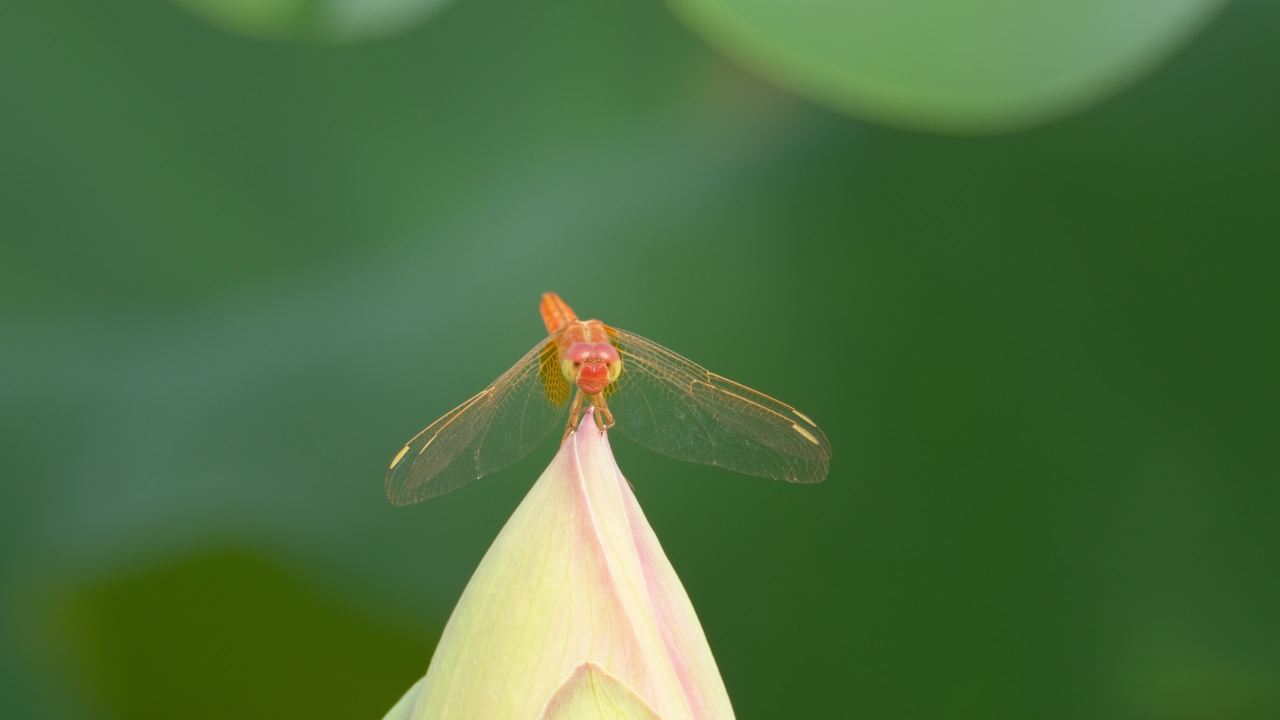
<point x="575" y="416"/>
<point x="604" y="417"/>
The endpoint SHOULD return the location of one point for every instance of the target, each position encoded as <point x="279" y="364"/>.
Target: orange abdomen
<point x="556" y="313"/>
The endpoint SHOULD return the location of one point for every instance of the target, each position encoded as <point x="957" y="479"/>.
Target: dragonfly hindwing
<point x="553" y="382"/>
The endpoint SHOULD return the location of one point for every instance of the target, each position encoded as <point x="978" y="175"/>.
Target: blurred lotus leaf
<point x="329" y="20"/>
<point x="975" y="67"/>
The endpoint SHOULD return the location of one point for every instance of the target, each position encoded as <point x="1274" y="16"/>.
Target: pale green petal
<point x="593" y="694"/>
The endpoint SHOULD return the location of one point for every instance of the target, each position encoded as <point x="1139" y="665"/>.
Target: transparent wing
<point x="674" y="406"/>
<point x="498" y="426"/>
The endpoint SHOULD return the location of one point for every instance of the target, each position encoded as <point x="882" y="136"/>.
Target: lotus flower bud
<point x="574" y="613"/>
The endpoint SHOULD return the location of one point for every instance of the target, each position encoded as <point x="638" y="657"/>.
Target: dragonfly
<point x="655" y="397"/>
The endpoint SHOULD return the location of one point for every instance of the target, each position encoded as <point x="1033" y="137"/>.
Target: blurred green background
<point x="240" y="268"/>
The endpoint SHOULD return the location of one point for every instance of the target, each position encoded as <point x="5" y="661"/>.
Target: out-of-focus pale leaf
<point x="593" y="694"/>
<point x="966" y="67"/>
<point x="333" y="20"/>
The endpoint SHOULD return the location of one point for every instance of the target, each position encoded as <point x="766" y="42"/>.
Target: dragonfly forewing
<point x="496" y="427"/>
<point x="676" y="407"/>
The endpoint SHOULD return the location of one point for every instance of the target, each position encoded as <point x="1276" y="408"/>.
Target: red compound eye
<point x="605" y="352"/>
<point x="578" y="353"/>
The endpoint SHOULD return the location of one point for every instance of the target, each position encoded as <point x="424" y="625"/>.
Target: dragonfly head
<point x="592" y="366"/>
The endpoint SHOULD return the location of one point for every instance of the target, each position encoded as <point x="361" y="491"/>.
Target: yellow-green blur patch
<point x="228" y="634"/>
